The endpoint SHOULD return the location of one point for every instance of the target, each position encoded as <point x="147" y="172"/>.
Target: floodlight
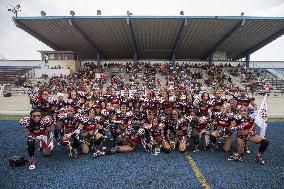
<point x="43" y="13"/>
<point x="129" y="13"/>
<point x="72" y="13"/>
<point x="15" y="9"/>
<point x="181" y="13"/>
<point x="99" y="12"/>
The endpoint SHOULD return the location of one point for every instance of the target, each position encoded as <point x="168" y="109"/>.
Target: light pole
<point x="15" y="9"/>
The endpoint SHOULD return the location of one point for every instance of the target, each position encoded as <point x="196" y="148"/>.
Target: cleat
<point x="32" y="163"/>
<point x="75" y="153"/>
<point x="173" y="145"/>
<point x="155" y="153"/>
<point x="235" y="157"/>
<point x="95" y="155"/>
<point x="98" y="154"/>
<point x="158" y="150"/>
<point x="196" y="150"/>
<point x="247" y="150"/>
<point x="259" y="160"/>
<point x="114" y="150"/>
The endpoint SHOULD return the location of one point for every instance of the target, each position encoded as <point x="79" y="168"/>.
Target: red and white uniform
<point x="43" y="105"/>
<point x="36" y="129"/>
<point x="70" y="123"/>
<point x="245" y="126"/>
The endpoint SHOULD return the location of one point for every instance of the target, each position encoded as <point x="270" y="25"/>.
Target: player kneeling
<point x="91" y="134"/>
<point x="37" y="129"/>
<point x="246" y="132"/>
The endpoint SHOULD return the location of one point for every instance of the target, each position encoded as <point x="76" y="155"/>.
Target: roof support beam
<point x="210" y="59"/>
<point x="179" y="38"/>
<point x="98" y="59"/>
<point x="133" y="41"/>
<point x="261" y="44"/>
<point x="247" y="60"/>
<point x="174" y="60"/>
<point x="37" y="35"/>
<point x="135" y="59"/>
<point x="87" y="39"/>
<point x="223" y="40"/>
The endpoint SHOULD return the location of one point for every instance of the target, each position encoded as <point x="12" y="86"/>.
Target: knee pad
<point x="263" y="145"/>
<point x="195" y="137"/>
<point x="102" y="131"/>
<point x="31" y="147"/>
<point x="212" y="138"/>
<point x="264" y="142"/>
<point x="206" y="139"/>
<point x="99" y="141"/>
<point x="75" y="143"/>
<point x="114" y="134"/>
<point x="56" y="133"/>
<point x="119" y="140"/>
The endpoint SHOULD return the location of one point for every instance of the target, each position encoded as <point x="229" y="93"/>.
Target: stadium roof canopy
<point x="154" y="37"/>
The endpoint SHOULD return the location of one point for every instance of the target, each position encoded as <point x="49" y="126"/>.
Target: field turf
<point x="140" y="169"/>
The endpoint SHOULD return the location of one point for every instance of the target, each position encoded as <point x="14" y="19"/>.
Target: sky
<point x="15" y="44"/>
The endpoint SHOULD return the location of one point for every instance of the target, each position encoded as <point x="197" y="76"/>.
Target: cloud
<point x="277" y="10"/>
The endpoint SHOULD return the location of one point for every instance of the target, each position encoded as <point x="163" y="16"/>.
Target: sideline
<point x="197" y="172"/>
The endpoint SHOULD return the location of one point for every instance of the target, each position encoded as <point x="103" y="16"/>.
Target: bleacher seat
<point x="9" y="73"/>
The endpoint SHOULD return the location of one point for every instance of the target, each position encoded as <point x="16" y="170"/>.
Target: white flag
<point x="261" y="117"/>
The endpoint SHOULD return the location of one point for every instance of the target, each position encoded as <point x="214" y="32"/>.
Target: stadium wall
<point x="73" y="64"/>
<point x="39" y="63"/>
<point x="62" y="63"/>
<point x="234" y="63"/>
<point x="51" y="72"/>
<point x="22" y="63"/>
<point x="253" y="64"/>
<point x="267" y="64"/>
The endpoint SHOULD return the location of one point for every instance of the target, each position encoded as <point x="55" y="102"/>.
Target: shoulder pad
<point x="62" y="116"/>
<point x="25" y="121"/>
<point x="47" y="121"/>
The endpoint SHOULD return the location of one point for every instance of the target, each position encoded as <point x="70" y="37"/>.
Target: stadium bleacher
<point x="8" y="74"/>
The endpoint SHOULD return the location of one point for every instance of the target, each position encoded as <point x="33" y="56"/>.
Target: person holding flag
<point x="245" y="126"/>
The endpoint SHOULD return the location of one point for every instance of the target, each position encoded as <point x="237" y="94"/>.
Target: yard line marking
<point x="197" y="172"/>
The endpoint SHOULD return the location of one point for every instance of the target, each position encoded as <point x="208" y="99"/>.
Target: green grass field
<point x="18" y="117"/>
<point x="11" y="117"/>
